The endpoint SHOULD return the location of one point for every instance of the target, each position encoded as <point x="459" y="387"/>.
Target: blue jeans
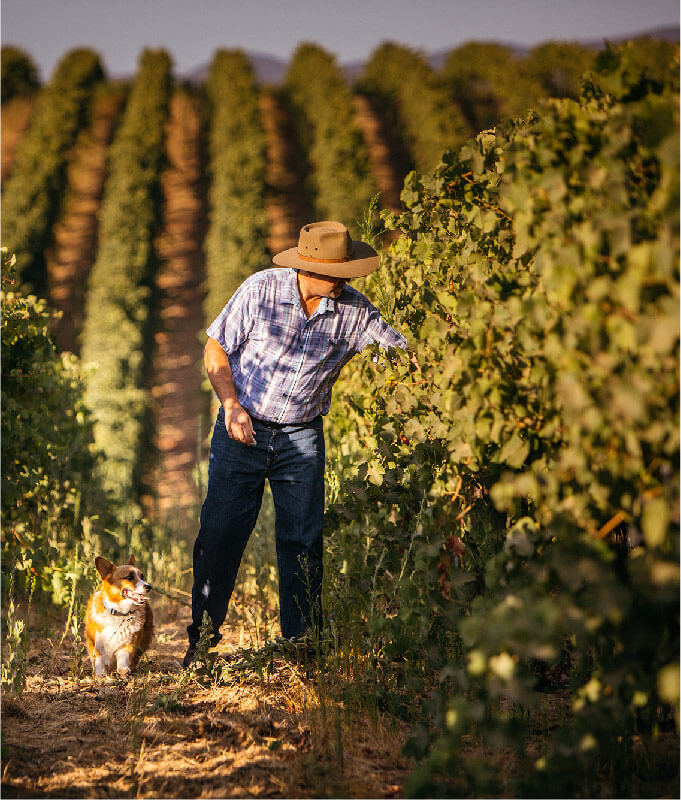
<point x="292" y="458"/>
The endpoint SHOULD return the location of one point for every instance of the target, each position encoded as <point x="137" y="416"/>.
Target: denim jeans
<point x="291" y="457"/>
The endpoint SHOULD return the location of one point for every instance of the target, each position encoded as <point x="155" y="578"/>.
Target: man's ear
<point x="131" y="560"/>
<point x="104" y="567"/>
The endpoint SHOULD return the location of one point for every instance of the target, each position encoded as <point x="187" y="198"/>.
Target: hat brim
<point x="364" y="260"/>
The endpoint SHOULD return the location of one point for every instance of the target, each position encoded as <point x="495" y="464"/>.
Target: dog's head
<point x="124" y="586"/>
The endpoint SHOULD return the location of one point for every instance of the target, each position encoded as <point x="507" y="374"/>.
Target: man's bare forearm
<point x="237" y="421"/>
<point x="219" y="373"/>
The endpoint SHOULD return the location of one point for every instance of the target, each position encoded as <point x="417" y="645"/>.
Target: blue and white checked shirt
<point x="283" y="364"/>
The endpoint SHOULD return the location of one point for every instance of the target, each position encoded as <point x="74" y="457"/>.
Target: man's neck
<point x="308" y="299"/>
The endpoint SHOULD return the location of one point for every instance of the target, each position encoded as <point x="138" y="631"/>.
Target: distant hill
<point x="270" y="69"/>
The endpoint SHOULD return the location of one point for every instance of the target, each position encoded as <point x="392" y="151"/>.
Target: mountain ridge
<point x="271" y="69"/>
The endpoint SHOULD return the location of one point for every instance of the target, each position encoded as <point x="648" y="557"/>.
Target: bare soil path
<point x="166" y="733"/>
<point x="75" y="235"/>
<point x="179" y="402"/>
<point x="384" y="163"/>
<point x="16" y="115"/>
<point x="288" y="209"/>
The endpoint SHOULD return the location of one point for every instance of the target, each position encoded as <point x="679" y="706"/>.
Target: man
<point x="272" y="357"/>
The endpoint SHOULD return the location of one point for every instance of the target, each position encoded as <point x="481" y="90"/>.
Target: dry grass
<point x="162" y="735"/>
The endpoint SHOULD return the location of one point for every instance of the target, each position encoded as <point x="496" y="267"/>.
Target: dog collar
<point x="111" y="608"/>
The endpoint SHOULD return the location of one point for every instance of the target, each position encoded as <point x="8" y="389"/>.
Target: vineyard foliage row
<point x="503" y="498"/>
<point x="537" y="276"/>
<point x="415" y="104"/>
<point x="339" y="183"/>
<point x="19" y="73"/>
<point x="116" y="332"/>
<point x="50" y="494"/>
<point x="31" y="196"/>
<point x="490" y="85"/>
<point x="235" y="245"/>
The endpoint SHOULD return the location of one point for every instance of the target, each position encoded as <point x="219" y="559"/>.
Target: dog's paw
<point x="124" y="672"/>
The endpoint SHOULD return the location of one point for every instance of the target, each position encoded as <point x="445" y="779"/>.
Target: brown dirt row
<point x="158" y="734"/>
<point x="178" y="401"/>
<point x="389" y="178"/>
<point x="75" y="235"/>
<point x="16" y="115"/>
<point x="288" y="208"/>
<point x="176" y="380"/>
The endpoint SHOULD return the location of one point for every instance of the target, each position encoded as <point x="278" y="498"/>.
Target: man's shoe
<point x="189" y="656"/>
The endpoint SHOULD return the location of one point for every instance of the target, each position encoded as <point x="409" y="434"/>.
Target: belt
<point x="310" y="423"/>
<point x="268" y="423"/>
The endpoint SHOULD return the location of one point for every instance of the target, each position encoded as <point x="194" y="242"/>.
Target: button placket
<point x="288" y="393"/>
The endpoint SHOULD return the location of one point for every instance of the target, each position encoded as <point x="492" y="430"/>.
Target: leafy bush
<point x="116" y="337"/>
<point x="489" y="84"/>
<point x="557" y="67"/>
<point x="415" y="102"/>
<point x="340" y="181"/>
<point x="536" y="424"/>
<point x="48" y="488"/>
<point x="236" y="241"/>
<point x="19" y="73"/>
<point x="32" y="194"/>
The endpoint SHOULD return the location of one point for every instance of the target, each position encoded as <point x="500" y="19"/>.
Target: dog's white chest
<point x="115" y="632"/>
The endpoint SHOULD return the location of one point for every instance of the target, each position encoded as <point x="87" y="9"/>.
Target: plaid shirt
<point x="283" y="364"/>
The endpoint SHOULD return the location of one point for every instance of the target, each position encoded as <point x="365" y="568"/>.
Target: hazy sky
<point x="191" y="30"/>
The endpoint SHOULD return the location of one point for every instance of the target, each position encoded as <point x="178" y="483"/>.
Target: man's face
<point x="324" y="285"/>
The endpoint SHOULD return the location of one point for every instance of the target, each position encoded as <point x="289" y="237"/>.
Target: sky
<point x="191" y="30"/>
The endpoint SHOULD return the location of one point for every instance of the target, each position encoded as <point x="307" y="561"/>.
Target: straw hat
<point x="327" y="249"/>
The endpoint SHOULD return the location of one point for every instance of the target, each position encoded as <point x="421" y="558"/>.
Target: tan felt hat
<point x="327" y="249"/>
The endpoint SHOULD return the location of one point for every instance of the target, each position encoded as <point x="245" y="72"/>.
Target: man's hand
<point x="238" y="424"/>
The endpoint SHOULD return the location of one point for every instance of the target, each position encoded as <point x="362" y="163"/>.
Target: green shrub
<point x="339" y="180"/>
<point x="536" y="422"/>
<point x="116" y="336"/>
<point x="50" y="497"/>
<point x="557" y="68"/>
<point x="19" y="73"/>
<point x="32" y="194"/>
<point x="415" y="103"/>
<point x="235" y="244"/>
<point x="489" y="84"/>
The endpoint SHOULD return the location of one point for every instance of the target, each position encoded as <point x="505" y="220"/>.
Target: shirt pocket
<point x="332" y="351"/>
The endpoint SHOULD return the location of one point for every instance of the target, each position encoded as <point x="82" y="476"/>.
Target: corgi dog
<point x="119" y="623"/>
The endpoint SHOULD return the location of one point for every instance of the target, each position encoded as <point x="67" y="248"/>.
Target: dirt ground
<point x="163" y="733"/>
<point x="16" y="115"/>
<point x="74" y="246"/>
<point x="177" y="365"/>
<point x="388" y="174"/>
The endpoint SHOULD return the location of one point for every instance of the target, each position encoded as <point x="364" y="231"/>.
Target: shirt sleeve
<point x="377" y="330"/>
<point x="233" y="324"/>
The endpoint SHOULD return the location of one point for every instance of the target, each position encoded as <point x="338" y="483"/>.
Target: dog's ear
<point x="131" y="560"/>
<point x="104" y="567"/>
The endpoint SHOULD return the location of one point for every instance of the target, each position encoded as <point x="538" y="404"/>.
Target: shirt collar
<point x="293" y="298"/>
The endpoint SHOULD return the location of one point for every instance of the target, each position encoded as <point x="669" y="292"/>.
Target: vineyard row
<point x="117" y="298"/>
